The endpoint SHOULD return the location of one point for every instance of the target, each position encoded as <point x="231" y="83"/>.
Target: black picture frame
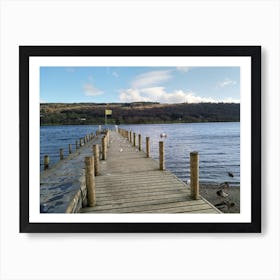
<point x="254" y="52"/>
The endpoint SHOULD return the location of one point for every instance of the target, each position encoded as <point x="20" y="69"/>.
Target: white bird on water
<point x="163" y="135"/>
<point x="121" y="150"/>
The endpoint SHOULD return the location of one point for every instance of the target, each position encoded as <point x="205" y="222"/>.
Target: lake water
<point x="218" y="145"/>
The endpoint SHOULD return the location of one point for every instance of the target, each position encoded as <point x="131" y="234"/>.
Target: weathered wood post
<point x="70" y="148"/>
<point x="61" y="153"/>
<point x="77" y="145"/>
<point x="161" y="156"/>
<point x="194" y="170"/>
<point x="96" y="159"/>
<point x="85" y="139"/>
<point x="139" y="142"/>
<point x="81" y="142"/>
<point x="130" y="136"/>
<point x="46" y="162"/>
<point x="108" y="137"/>
<point x="148" y="146"/>
<point x="90" y="181"/>
<point x="134" y="139"/>
<point x="104" y="148"/>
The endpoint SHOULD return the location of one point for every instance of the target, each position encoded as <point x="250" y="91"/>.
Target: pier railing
<point x="47" y="160"/>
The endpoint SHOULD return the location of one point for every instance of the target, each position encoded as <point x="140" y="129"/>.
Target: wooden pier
<point x="121" y="178"/>
<point x="131" y="182"/>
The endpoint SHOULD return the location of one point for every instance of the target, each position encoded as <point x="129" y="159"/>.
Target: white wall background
<point x="139" y="256"/>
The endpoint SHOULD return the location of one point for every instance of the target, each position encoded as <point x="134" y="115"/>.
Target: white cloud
<point x="90" y="90"/>
<point x="227" y="82"/>
<point x="231" y="100"/>
<point x="158" y="94"/>
<point x="151" y="78"/>
<point x="132" y="95"/>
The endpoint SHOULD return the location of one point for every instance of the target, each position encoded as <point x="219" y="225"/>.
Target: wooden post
<point x="96" y="159"/>
<point x="108" y="136"/>
<point x="46" y="162"/>
<point x="85" y="139"/>
<point x="90" y="181"/>
<point x="139" y="142"/>
<point x="104" y="148"/>
<point x="130" y="136"/>
<point x="148" y="146"/>
<point x="161" y="156"/>
<point x="77" y="145"/>
<point x="61" y="153"/>
<point x="134" y="139"/>
<point x="194" y="170"/>
<point x="70" y="149"/>
<point x="81" y="142"/>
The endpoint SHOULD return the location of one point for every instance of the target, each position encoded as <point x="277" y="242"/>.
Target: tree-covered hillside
<point x="137" y="113"/>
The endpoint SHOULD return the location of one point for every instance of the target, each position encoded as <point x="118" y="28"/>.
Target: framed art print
<point x="140" y="138"/>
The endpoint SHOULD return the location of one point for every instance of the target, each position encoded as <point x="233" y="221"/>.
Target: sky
<point x="134" y="84"/>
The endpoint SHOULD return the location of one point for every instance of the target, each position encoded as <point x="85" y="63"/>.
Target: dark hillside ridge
<point x="137" y="113"/>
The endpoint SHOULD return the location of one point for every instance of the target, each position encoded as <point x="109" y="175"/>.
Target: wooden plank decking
<point x="129" y="182"/>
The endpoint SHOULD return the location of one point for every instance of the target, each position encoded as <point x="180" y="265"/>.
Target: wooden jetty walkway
<point x="129" y="182"/>
<point x="120" y="179"/>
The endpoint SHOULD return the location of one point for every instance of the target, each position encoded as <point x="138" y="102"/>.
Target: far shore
<point x="147" y="123"/>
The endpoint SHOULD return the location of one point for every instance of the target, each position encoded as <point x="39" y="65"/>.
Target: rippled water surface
<point x="218" y="145"/>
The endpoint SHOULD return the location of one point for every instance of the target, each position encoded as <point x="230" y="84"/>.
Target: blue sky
<point x="131" y="84"/>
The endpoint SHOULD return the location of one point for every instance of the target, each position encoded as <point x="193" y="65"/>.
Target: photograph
<point x="192" y="112"/>
<point x="133" y="135"/>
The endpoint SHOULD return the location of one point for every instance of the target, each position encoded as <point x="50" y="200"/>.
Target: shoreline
<point x="126" y="124"/>
<point x="209" y="192"/>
